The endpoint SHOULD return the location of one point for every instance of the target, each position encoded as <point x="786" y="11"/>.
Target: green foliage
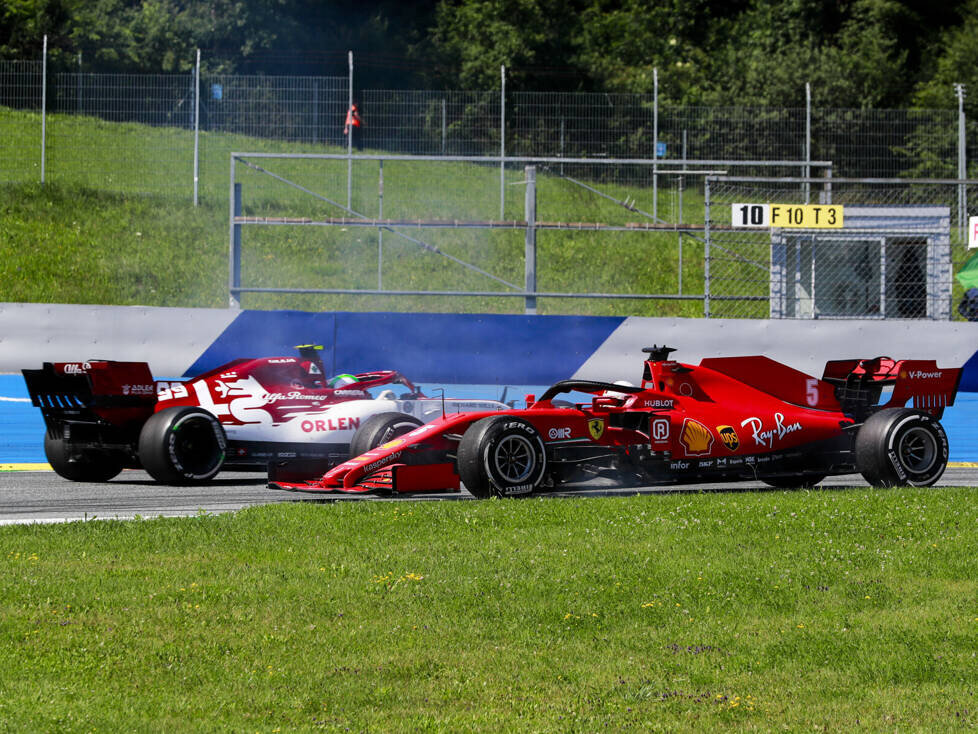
<point x="775" y="611"/>
<point x="857" y="53"/>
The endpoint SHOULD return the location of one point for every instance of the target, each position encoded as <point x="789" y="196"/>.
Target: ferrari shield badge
<point x="596" y="428"/>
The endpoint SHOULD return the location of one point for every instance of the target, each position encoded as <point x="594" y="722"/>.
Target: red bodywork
<point x="726" y="419"/>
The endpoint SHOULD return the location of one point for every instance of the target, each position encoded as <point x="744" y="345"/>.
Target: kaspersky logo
<point x="729" y="437"/>
<point x="695" y="438"/>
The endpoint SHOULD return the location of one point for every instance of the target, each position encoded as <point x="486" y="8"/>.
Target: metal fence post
<point x="655" y="143"/>
<point x="962" y="162"/>
<point x="234" y="258"/>
<point x="531" y="237"/>
<point x="380" y="230"/>
<point x="444" y="127"/>
<point x="196" y="127"/>
<point x="44" y="106"/>
<point x="349" y="137"/>
<point x="502" y="144"/>
<point x="706" y="247"/>
<point x="807" y="170"/>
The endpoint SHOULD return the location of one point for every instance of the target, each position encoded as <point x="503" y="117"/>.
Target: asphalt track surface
<point x="44" y="497"/>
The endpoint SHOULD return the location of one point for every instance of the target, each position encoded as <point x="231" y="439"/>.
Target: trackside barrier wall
<point x="473" y="349"/>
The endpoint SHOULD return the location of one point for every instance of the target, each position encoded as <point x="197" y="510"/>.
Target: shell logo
<point x="695" y="438"/>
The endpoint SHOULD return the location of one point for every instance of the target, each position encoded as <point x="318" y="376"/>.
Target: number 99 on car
<point x="797" y="216"/>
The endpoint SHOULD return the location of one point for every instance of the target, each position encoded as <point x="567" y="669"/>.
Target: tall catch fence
<point x="845" y="248"/>
<point x="173" y="134"/>
<point x="187" y="125"/>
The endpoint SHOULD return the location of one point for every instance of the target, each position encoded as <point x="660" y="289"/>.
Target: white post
<point x="349" y="138"/>
<point x="197" y="128"/>
<point x="808" y="140"/>
<point x="502" y="145"/>
<point x="44" y="105"/>
<point x="380" y="230"/>
<point x="655" y="144"/>
<point x="962" y="162"/>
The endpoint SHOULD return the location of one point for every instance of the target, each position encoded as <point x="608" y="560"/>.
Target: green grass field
<point x="114" y="224"/>
<point x="773" y="611"/>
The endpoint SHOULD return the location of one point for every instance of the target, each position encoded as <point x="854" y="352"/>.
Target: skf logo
<point x="729" y="437"/>
<point x="695" y="437"/>
<point x="595" y="427"/>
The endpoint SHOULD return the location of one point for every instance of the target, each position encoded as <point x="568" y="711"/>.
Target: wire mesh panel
<point x="735" y="133"/>
<point x="141" y="140"/>
<point x="580" y="124"/>
<point x="408" y="240"/>
<point x="415" y="122"/>
<point x="296" y="109"/>
<point x="859" y="249"/>
<point x="20" y="120"/>
<point x="887" y="143"/>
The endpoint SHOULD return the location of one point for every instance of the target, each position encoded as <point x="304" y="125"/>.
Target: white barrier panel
<point x="804" y="345"/>
<point x="170" y="339"/>
<point x="458" y="348"/>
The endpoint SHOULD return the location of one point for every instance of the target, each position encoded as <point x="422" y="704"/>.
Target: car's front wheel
<point x="901" y="447"/>
<point x="501" y="455"/>
<point x="182" y="445"/>
<point x="379" y="429"/>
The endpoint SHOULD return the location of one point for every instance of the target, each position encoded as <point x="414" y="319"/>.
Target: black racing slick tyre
<point x="182" y="446"/>
<point x="501" y="455"/>
<point x="379" y="429"/>
<point x="901" y="447"/>
<point x="81" y="466"/>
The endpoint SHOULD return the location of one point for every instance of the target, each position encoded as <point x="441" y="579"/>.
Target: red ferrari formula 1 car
<point x="103" y="416"/>
<point x="726" y="419"/>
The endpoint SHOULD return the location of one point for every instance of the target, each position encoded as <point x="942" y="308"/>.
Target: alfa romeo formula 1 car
<point x="726" y="419"/>
<point x="103" y="416"/>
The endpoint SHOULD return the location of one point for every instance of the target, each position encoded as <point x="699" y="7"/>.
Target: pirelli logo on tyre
<point x="695" y="438"/>
<point x="729" y="437"/>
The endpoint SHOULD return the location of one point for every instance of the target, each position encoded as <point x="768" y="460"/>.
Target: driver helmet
<point x="342" y="380"/>
<point x="615" y="393"/>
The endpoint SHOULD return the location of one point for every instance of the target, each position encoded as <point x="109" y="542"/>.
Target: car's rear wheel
<point x="182" y="445"/>
<point x="501" y="455"/>
<point x="89" y="465"/>
<point x="901" y="447"/>
<point x="379" y="429"/>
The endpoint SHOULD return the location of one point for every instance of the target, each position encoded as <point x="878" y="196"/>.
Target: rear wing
<point x="859" y="384"/>
<point x="116" y="392"/>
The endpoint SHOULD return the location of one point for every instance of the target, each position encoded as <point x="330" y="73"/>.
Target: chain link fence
<point x="172" y="134"/>
<point x="888" y="251"/>
<point x="310" y="110"/>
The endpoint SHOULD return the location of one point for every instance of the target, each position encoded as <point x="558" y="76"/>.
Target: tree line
<point x="854" y="53"/>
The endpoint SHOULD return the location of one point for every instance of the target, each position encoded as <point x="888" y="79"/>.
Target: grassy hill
<point x="115" y="224"/>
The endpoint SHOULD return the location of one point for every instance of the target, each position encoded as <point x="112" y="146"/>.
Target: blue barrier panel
<point x="456" y="348"/>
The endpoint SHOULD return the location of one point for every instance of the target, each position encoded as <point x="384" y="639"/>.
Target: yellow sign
<point x="806" y="216"/>
<point x="596" y="427"/>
